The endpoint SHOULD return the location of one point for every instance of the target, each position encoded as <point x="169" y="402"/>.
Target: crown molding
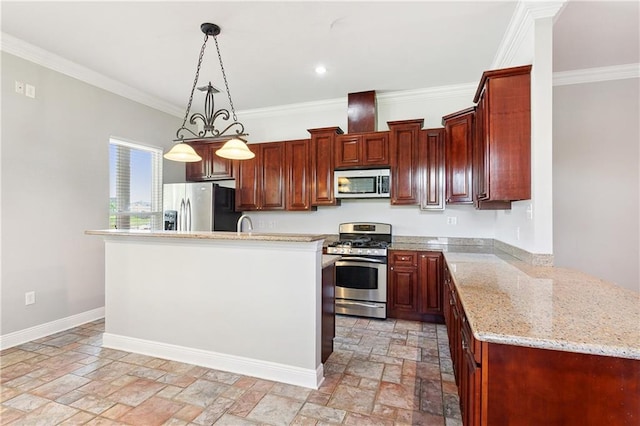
<point x="521" y="22"/>
<point x="593" y="75"/>
<point x="29" y="52"/>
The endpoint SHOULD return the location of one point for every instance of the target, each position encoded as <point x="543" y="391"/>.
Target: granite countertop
<point x="511" y="302"/>
<point x="329" y="259"/>
<point x="207" y="235"/>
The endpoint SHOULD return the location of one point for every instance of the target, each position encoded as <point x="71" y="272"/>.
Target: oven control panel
<point x="358" y="251"/>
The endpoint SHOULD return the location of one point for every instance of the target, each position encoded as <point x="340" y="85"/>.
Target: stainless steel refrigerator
<point x="199" y="206"/>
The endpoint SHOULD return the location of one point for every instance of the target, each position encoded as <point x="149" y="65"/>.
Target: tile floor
<point x="381" y="373"/>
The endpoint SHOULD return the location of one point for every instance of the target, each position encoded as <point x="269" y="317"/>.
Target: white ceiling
<point x="270" y="49"/>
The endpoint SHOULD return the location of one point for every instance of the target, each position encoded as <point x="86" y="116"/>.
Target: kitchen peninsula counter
<point x="249" y="303"/>
<point x="509" y="301"/>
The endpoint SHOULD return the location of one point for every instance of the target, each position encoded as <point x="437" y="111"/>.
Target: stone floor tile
<point x="384" y="411"/>
<point x="419" y="418"/>
<point x="221" y="376"/>
<point x="8" y="415"/>
<point x="116" y="411"/>
<point x="136" y="392"/>
<point x="188" y="412"/>
<point x="93" y="404"/>
<point x="78" y="419"/>
<point x="320" y="412"/>
<point x="247" y="402"/>
<point x="352" y="399"/>
<point x="201" y="392"/>
<point x="368" y="369"/>
<point x="358" y="419"/>
<point x="49" y="414"/>
<point x="7" y="393"/>
<point x="230" y="420"/>
<point x="15" y="357"/>
<point x="276" y="410"/>
<point x="152" y="412"/>
<point x="213" y="411"/>
<point x="404" y="352"/>
<point x="290" y="391"/>
<point x="398" y="395"/>
<point x="26" y="402"/>
<point x="60" y="386"/>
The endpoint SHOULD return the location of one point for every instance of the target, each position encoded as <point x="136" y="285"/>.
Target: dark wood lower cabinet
<point x="414" y="285"/>
<point x="501" y="384"/>
<point x="328" y="310"/>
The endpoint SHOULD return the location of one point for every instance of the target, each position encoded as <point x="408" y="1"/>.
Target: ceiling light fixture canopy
<point x="235" y="148"/>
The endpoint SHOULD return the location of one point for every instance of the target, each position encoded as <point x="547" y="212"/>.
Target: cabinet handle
<point x="391" y="268"/>
<point x="465" y="346"/>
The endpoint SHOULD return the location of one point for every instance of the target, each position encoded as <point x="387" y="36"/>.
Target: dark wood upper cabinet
<point x="362" y="150"/>
<point x="502" y="157"/>
<point x="431" y="163"/>
<point x="322" y="147"/>
<point x="298" y="166"/>
<point x="211" y="167"/>
<point x="403" y="144"/>
<point x="260" y="181"/>
<point x="459" y="136"/>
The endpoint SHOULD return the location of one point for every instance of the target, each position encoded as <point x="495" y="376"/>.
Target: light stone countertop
<point x="208" y="235"/>
<point x="329" y="259"/>
<point x="511" y="302"/>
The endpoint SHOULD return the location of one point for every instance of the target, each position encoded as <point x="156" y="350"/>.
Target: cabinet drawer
<point x="469" y="343"/>
<point x="404" y="258"/>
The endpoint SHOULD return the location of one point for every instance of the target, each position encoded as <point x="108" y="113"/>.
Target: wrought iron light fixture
<point x="235" y="148"/>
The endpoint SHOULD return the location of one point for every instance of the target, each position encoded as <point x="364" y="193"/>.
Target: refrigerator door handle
<point x="188" y="215"/>
<point x="181" y="222"/>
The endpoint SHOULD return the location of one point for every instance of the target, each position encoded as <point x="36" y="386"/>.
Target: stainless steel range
<point x="361" y="274"/>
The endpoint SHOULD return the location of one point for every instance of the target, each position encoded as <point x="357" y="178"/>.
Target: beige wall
<point x="55" y="185"/>
<point x="596" y="191"/>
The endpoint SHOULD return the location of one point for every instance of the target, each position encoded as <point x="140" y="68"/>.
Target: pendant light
<point x="235" y="148"/>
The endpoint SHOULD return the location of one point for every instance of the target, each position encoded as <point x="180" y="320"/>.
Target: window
<point x="135" y="186"/>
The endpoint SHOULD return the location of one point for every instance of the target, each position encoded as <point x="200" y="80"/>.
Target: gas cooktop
<point x="362" y="239"/>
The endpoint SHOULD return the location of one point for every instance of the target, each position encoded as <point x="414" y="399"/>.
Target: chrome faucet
<point x="241" y="219"/>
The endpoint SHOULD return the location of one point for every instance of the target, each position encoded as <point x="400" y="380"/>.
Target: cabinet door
<point x="248" y="182"/>
<point x="298" y="167"/>
<point x="197" y="171"/>
<point x="403" y="291"/>
<point x="375" y="149"/>
<point x="431" y="165"/>
<point x="504" y="98"/>
<point x="347" y="151"/>
<point x="402" y="285"/>
<point x="211" y="167"/>
<point x="218" y="167"/>
<point x="272" y="177"/>
<point x="458" y="157"/>
<point x="404" y="137"/>
<point x="322" y="141"/>
<point x="430" y="273"/>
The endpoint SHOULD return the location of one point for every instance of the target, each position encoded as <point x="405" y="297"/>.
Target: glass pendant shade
<point x="182" y="152"/>
<point x="235" y="149"/>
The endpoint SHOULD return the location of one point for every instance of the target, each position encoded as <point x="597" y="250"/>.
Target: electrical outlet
<point x="530" y="211"/>
<point x="30" y="298"/>
<point x="20" y="87"/>
<point x="518" y="233"/>
<point x="452" y="220"/>
<point x="30" y="91"/>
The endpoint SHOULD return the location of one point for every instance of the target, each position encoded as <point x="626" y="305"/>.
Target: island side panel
<point x="249" y="300"/>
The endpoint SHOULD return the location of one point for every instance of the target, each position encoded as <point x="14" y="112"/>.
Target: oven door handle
<point x="361" y="259"/>
<point x="364" y="304"/>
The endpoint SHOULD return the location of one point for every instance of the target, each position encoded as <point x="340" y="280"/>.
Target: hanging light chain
<point x="224" y="76"/>
<point x="195" y="81"/>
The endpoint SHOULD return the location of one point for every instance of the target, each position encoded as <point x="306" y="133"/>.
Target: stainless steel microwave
<point x="374" y="183"/>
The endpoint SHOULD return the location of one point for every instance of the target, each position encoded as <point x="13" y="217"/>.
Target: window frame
<point x="123" y="217"/>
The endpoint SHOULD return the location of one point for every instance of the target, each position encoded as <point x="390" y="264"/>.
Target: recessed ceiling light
<point x="320" y="69"/>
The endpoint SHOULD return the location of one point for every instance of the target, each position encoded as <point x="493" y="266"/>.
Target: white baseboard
<point x="308" y="378"/>
<point x="22" y="336"/>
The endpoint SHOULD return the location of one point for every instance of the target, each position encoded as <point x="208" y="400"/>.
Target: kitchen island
<point x="249" y="303"/>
